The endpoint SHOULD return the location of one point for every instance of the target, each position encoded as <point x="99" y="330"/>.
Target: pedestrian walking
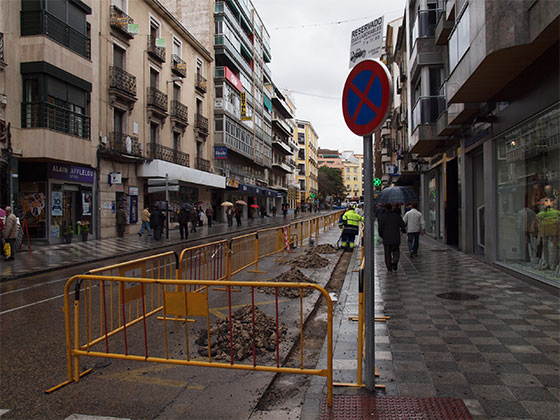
<point x="238" y="216"/>
<point x="415" y="227"/>
<point x="285" y="209"/>
<point x="200" y="217"/>
<point x="194" y="219"/>
<point x="209" y="216"/>
<point x="157" y="222"/>
<point x="379" y="211"/>
<point x="273" y="209"/>
<point x="390" y="227"/>
<point x="183" y="219"/>
<point x="229" y="216"/>
<point x="145" y="217"/>
<point x="10" y="232"/>
<point x="350" y="222"/>
<point x="121" y="221"/>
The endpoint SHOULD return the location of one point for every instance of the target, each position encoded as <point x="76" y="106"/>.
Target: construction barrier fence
<point x="113" y="317"/>
<point x="112" y="314"/>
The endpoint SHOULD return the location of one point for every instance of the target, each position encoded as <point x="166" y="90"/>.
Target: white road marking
<point x="87" y="417"/>
<point x="32" y="287"/>
<point x="33" y="304"/>
<point x="3" y="411"/>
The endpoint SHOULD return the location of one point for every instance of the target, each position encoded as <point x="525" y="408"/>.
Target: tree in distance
<point x="330" y="183"/>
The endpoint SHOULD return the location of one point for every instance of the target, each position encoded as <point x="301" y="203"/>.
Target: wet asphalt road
<point x="33" y="359"/>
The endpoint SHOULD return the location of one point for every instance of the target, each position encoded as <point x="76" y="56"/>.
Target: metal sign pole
<point x="369" y="287"/>
<point x="166" y="206"/>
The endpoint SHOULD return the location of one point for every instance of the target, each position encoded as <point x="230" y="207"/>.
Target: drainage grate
<point x="457" y="296"/>
<point x="347" y="407"/>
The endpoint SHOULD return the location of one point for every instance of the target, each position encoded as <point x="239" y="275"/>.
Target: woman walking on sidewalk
<point x="390" y="227"/>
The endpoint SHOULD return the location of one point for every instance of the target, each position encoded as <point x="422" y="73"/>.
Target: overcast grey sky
<point x="313" y="59"/>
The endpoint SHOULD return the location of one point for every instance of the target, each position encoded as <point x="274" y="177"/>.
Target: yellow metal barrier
<point x="159" y="266"/>
<point x="204" y="262"/>
<point x="242" y="252"/>
<point x="112" y="317"/>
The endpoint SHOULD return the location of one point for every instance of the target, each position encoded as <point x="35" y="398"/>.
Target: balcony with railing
<point x="156" y="52"/>
<point x="178" y="66"/>
<point x="41" y="22"/>
<point x="157" y="100"/>
<point x="202" y="124"/>
<point x="200" y="83"/>
<point x="158" y="151"/>
<point x="202" y="164"/>
<point x="123" y="144"/>
<point x="427" y="110"/>
<point x="179" y="113"/>
<point x="2" y="61"/>
<point x="54" y="117"/>
<point x="120" y="21"/>
<point x="122" y="83"/>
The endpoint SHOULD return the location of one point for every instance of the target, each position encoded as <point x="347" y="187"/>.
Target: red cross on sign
<point x="366" y="97"/>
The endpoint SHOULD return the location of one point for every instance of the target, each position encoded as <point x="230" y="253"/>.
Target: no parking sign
<point x="366" y="97"/>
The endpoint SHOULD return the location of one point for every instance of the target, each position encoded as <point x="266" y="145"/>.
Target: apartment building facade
<point x="243" y="110"/>
<point x="155" y="112"/>
<point x="352" y="175"/>
<point x="92" y="118"/>
<point x="307" y="162"/>
<point x="483" y="94"/>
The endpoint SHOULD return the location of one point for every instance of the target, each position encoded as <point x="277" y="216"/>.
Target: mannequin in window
<point x="527" y="233"/>
<point x="548" y="219"/>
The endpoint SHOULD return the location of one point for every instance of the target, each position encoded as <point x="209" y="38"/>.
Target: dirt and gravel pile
<point x="293" y="275"/>
<point x="264" y="335"/>
<point x="310" y="259"/>
<point x="325" y="249"/>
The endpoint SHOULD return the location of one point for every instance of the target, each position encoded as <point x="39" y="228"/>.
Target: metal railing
<point x="41" y="22"/>
<point x="2" y="48"/>
<point x="178" y="65"/>
<point x="124" y="143"/>
<point x="157" y="99"/>
<point x="54" y="117"/>
<point x="202" y="164"/>
<point x="200" y="83"/>
<point x="179" y="112"/>
<point x="427" y="110"/>
<point x="202" y="123"/>
<point x="120" y="20"/>
<point x="156" y="52"/>
<point x="121" y="80"/>
<point x="158" y="151"/>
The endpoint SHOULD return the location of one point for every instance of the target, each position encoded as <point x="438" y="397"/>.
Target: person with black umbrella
<point x="158" y="219"/>
<point x="390" y="227"/>
<point x="183" y="219"/>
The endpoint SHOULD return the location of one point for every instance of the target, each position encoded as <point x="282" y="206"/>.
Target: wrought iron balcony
<point x="158" y="151"/>
<point x="179" y="112"/>
<point x="41" y="22"/>
<point x="123" y="143"/>
<point x="2" y="62"/>
<point x="156" y="52"/>
<point x="178" y="66"/>
<point x="46" y="115"/>
<point x="202" y="164"/>
<point x="120" y="21"/>
<point x="157" y="99"/>
<point x="122" y="81"/>
<point x="200" y="83"/>
<point x="202" y="123"/>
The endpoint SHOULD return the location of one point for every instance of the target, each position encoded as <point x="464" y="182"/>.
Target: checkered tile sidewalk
<point x="499" y="353"/>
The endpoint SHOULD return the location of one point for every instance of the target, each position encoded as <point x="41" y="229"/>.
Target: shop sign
<point x="232" y="78"/>
<point x="115" y="178"/>
<point x="230" y="182"/>
<point x="71" y="173"/>
<point x="56" y="205"/>
<point x="244" y="116"/>
<point x="133" y="190"/>
<point x="220" y="152"/>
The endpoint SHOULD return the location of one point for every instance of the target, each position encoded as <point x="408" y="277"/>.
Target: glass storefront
<point x="432" y="204"/>
<point x="528" y="213"/>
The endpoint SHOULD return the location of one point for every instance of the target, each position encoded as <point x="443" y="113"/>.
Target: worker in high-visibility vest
<point x="350" y="228"/>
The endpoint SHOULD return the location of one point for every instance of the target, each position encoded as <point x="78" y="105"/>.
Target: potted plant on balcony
<point x="84" y="229"/>
<point x="68" y="233"/>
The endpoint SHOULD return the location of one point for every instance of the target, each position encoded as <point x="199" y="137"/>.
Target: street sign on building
<point x="366" y="42"/>
<point x="366" y="97"/>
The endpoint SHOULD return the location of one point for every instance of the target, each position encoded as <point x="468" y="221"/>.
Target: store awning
<point x="158" y="168"/>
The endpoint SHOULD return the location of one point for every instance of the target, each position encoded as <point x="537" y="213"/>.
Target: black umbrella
<point x="397" y="194"/>
<point x="187" y="206"/>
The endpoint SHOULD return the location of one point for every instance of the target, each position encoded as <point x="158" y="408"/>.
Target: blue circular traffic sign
<point x="366" y="97"/>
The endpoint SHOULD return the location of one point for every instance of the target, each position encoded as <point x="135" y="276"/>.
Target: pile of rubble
<point x="310" y="259"/>
<point x="242" y="331"/>
<point x="293" y="275"/>
<point x="325" y="249"/>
